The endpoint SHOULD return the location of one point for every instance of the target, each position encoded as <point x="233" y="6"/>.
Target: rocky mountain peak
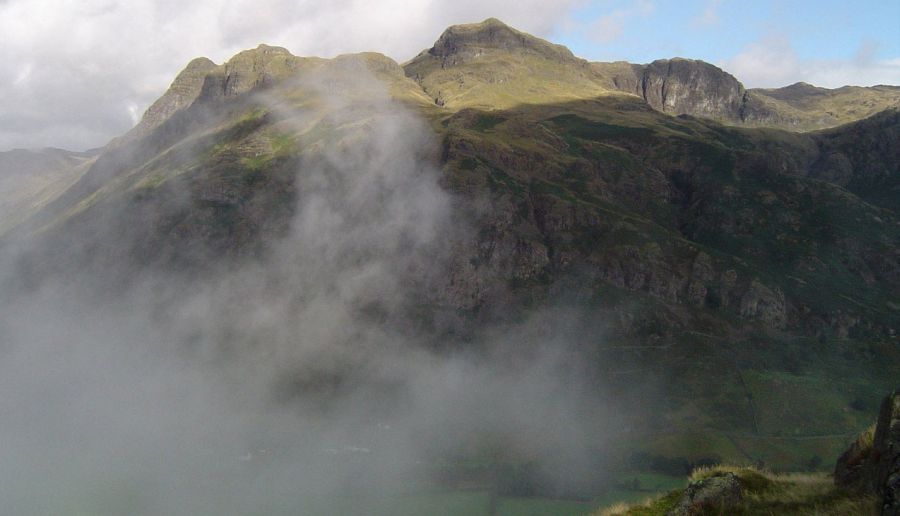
<point x="261" y="54"/>
<point x="202" y="78"/>
<point x="250" y="69"/>
<point x="183" y="91"/>
<point x="470" y="40"/>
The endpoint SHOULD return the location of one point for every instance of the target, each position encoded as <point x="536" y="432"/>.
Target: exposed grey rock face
<point x="690" y="87"/>
<point x="203" y="79"/>
<point x="762" y="303"/>
<point x="850" y="471"/>
<point x="182" y="93"/>
<point x="714" y="493"/>
<point x="683" y="86"/>
<point x="248" y="70"/>
<point x="886" y="455"/>
<point x="876" y="468"/>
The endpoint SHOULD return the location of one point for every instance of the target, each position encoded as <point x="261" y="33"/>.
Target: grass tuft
<point x="752" y="480"/>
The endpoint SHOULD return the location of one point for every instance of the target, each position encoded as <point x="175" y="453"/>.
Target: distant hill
<point x="31" y="178"/>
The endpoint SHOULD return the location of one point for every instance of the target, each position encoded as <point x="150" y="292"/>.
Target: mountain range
<point x="731" y="255"/>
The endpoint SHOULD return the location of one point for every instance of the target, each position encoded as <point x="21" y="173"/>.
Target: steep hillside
<point x="29" y="179"/>
<point x="864" y="158"/>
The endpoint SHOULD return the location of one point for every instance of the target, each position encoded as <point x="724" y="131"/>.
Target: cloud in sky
<point x="72" y="73"/>
<point x="773" y="62"/>
<point x="608" y="27"/>
<point x="709" y="15"/>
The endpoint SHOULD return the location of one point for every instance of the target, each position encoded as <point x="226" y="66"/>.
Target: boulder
<point x="852" y="470"/>
<point x="722" y="491"/>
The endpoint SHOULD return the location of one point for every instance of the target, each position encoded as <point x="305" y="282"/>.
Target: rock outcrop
<point x="685" y="86"/>
<point x="885" y="457"/>
<point x="690" y="87"/>
<point x="715" y="493"/>
<point x="852" y="469"/>
<point x="760" y="302"/>
<point x="872" y="463"/>
<point x="182" y="93"/>
<point x="204" y="79"/>
<point x="250" y="69"/>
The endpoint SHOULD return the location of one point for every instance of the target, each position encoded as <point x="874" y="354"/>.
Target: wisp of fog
<point x="297" y="381"/>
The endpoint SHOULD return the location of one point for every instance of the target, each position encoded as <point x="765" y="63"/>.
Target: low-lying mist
<point x="302" y="380"/>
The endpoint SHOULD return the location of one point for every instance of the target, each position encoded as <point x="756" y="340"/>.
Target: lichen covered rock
<point x="717" y="492"/>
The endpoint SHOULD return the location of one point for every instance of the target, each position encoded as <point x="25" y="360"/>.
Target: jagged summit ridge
<point x="494" y="66"/>
<point x="250" y="69"/>
<point x="246" y="71"/>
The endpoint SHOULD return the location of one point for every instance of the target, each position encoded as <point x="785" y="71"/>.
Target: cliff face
<point x="204" y="79"/>
<point x="689" y="87"/>
<point x="886" y="455"/>
<point x="182" y="93"/>
<point x="682" y="86"/>
<point x="250" y="69"/>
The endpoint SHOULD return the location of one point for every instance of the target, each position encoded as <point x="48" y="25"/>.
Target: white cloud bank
<point x="73" y="72"/>
<point x="772" y="62"/>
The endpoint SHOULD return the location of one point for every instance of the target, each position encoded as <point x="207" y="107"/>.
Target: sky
<point x="76" y="73"/>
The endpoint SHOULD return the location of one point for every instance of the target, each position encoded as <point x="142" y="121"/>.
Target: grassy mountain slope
<point x="490" y="65"/>
<point x="802" y="106"/>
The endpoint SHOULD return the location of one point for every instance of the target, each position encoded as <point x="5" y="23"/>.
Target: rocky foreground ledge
<point x="866" y="481"/>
